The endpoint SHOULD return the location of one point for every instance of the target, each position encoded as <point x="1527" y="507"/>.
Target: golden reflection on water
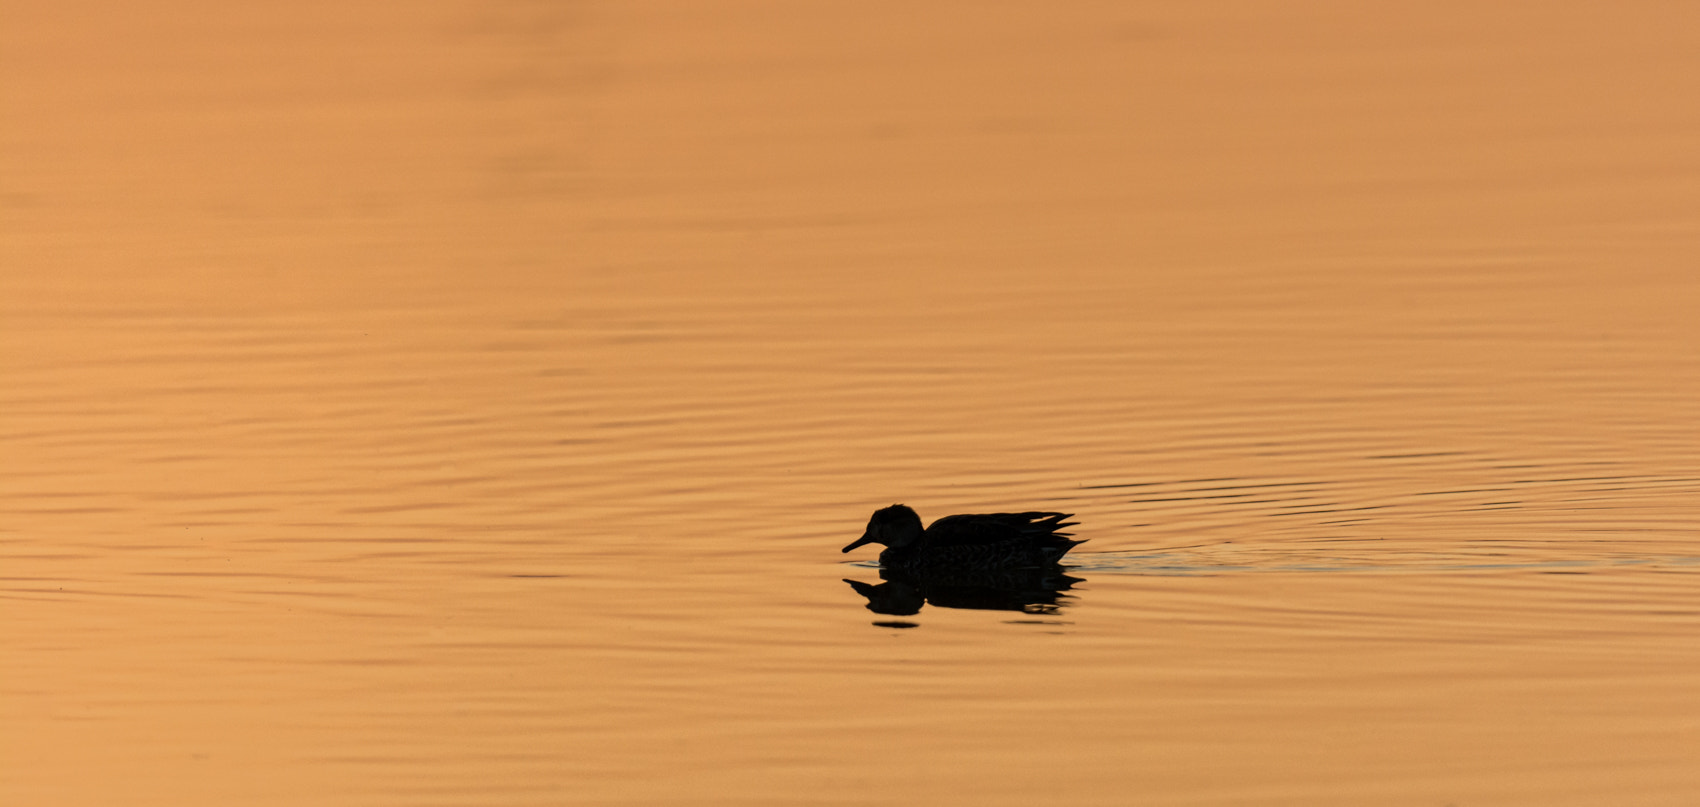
<point x="467" y="404"/>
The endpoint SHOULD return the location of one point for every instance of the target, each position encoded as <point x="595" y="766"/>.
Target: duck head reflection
<point x="1032" y="591"/>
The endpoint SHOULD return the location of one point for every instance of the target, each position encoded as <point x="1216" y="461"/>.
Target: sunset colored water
<point x="465" y="403"/>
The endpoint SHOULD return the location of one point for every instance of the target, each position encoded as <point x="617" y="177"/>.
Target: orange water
<point x="465" y="403"/>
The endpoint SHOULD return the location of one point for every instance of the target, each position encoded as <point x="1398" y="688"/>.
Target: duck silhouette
<point x="967" y="543"/>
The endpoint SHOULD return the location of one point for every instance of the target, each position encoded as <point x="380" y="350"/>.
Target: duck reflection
<point x="1031" y="591"/>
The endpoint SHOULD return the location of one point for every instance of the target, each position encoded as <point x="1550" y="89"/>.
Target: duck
<point x="988" y="541"/>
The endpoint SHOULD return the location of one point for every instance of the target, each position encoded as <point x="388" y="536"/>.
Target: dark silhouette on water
<point x="994" y="541"/>
<point x="1032" y="591"/>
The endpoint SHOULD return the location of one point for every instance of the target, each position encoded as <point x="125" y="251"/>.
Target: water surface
<point x="466" y="405"/>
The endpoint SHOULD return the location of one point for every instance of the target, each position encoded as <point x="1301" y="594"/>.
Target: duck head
<point x="895" y="526"/>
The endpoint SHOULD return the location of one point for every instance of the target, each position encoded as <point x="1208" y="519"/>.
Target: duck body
<point x="967" y="542"/>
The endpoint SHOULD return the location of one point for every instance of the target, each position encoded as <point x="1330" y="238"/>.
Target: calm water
<point x="464" y="404"/>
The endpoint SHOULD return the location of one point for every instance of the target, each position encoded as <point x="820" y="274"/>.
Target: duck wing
<point x="996" y="528"/>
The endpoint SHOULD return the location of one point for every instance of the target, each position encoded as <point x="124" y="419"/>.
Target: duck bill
<point x="865" y="539"/>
